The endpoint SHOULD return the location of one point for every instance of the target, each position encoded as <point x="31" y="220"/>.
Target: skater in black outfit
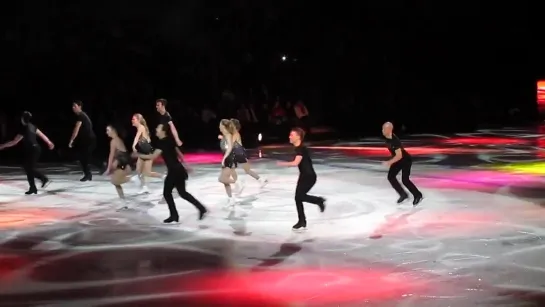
<point x="86" y="141"/>
<point x="307" y="178"/>
<point x="400" y="161"/>
<point x="31" y="150"/>
<point x="176" y="176"/>
<point x="166" y="120"/>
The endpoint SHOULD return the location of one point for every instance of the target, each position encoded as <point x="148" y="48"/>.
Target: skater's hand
<point x="387" y="163"/>
<point x="51" y="146"/>
<point x="70" y="145"/>
<point x="220" y="137"/>
<point x="107" y="172"/>
<point x="223" y="163"/>
<point x="134" y="154"/>
<point x="179" y="143"/>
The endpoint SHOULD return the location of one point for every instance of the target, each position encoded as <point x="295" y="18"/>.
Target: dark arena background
<point x="462" y="82"/>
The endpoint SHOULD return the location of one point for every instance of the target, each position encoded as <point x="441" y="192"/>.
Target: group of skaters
<point x="167" y="146"/>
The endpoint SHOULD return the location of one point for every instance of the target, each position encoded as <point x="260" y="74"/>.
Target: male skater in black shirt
<point x="307" y="178"/>
<point x="31" y="151"/>
<point x="176" y="176"/>
<point x="166" y="120"/>
<point x="86" y="141"/>
<point x="400" y="161"/>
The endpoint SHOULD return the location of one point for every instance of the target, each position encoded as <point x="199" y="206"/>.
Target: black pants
<point x="85" y="149"/>
<point x="304" y="184"/>
<point x="176" y="178"/>
<point x="403" y="165"/>
<point x="32" y="155"/>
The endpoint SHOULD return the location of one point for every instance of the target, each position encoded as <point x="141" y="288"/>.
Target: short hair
<point x="26" y="116"/>
<point x="79" y="103"/>
<point x="162" y="101"/>
<point x="300" y="132"/>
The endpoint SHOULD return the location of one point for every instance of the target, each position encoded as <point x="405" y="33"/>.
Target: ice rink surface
<point x="475" y="240"/>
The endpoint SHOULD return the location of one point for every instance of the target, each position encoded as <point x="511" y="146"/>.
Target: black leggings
<point x="176" y="179"/>
<point x="304" y="184"/>
<point x="403" y="165"/>
<point x="32" y="155"/>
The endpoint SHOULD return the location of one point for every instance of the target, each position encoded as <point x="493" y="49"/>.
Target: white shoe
<point x="230" y="204"/>
<point x="135" y="179"/>
<point x="143" y="190"/>
<point x="263" y="182"/>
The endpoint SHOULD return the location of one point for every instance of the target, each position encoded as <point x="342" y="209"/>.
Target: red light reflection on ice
<point x="485" y="141"/>
<point x="10" y="264"/>
<point x="27" y="217"/>
<point x="446" y="224"/>
<point x="383" y="151"/>
<point x="317" y="286"/>
<point x="479" y="180"/>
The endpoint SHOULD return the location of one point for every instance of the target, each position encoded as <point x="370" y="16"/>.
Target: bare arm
<point x="44" y="138"/>
<point x="111" y="155"/>
<point x="139" y="133"/>
<point x="295" y="162"/>
<point x="174" y="132"/>
<point x="156" y="153"/>
<point x="13" y="142"/>
<point x="75" y="131"/>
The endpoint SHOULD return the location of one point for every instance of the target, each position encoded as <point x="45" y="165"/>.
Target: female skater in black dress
<point x="241" y="158"/>
<point x="118" y="162"/>
<point x="228" y="176"/>
<point x="31" y="151"/>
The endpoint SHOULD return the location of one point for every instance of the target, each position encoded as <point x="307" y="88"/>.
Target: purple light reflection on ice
<point x="479" y="180"/>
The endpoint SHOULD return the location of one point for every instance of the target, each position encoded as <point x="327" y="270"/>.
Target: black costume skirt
<point x="144" y="147"/>
<point x="230" y="161"/>
<point x="123" y="160"/>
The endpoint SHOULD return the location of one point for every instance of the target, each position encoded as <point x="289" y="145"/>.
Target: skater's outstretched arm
<point x="13" y="142"/>
<point x="295" y="162"/>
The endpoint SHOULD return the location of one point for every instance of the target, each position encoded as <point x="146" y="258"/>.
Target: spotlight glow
<point x="259" y="137"/>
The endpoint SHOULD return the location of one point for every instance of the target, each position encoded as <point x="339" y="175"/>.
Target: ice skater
<point x="119" y="161"/>
<point x="176" y="175"/>
<point x="401" y="161"/>
<point x="31" y="151"/>
<point x="228" y="175"/>
<point x="307" y="178"/>
<point x="241" y="157"/>
<point x="142" y="144"/>
<point x="86" y="141"/>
